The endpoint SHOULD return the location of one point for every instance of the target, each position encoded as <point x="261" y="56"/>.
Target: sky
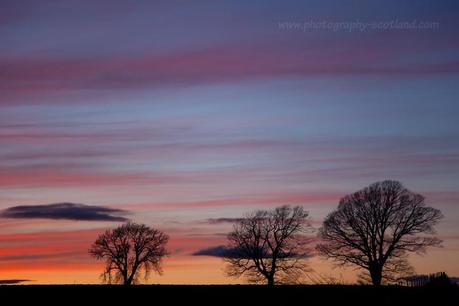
<point x="184" y="115"/>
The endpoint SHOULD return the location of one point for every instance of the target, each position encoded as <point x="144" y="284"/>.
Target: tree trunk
<point x="376" y="275"/>
<point x="270" y="279"/>
<point x="127" y="282"/>
<point x="125" y="278"/>
<point x="131" y="277"/>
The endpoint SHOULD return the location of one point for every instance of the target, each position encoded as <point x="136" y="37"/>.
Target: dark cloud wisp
<point x="224" y="220"/>
<point x="12" y="281"/>
<point x="226" y="252"/>
<point x="65" y="211"/>
<point x="217" y="251"/>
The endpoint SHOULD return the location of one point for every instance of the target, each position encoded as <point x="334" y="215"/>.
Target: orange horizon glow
<point x="62" y="258"/>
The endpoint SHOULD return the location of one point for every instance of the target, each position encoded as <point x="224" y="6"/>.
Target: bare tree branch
<point x="128" y="250"/>
<point x="270" y="245"/>
<point x="376" y="227"/>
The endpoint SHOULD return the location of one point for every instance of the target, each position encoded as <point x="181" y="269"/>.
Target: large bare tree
<point x="375" y="228"/>
<point x="128" y="251"/>
<point x="269" y="245"/>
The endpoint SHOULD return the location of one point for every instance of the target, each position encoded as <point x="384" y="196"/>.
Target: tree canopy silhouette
<point x="269" y="245"/>
<point x="375" y="228"/>
<point x="128" y="251"/>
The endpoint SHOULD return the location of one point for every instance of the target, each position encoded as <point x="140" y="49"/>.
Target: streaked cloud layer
<point x="190" y="116"/>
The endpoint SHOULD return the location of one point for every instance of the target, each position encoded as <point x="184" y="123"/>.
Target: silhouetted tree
<point x="376" y="227"/>
<point x="269" y="245"/>
<point x="129" y="250"/>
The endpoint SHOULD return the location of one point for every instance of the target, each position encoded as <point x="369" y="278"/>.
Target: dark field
<point x="234" y="295"/>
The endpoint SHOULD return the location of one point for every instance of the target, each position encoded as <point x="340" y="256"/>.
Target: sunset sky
<point x="184" y="116"/>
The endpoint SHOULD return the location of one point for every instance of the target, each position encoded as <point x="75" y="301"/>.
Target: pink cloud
<point x="36" y="78"/>
<point x="269" y="198"/>
<point x="63" y="175"/>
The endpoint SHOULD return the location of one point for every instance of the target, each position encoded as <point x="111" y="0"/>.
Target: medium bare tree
<point x="376" y="227"/>
<point x="129" y="250"/>
<point x="269" y="245"/>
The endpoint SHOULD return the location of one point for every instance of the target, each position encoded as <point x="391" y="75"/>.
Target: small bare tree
<point x="376" y="227"/>
<point x="128" y="250"/>
<point x="269" y="245"/>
